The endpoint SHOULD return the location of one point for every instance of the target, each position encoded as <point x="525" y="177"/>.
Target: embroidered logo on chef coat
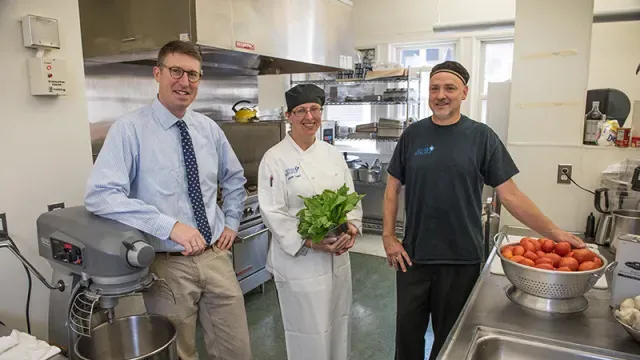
<point x="426" y="151"/>
<point x="290" y="173"/>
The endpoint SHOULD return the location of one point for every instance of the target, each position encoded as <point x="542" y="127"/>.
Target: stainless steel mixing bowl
<point x="149" y="337"/>
<point x="635" y="334"/>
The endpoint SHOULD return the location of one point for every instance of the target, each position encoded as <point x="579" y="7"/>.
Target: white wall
<point x="398" y="21"/>
<point x="614" y="55"/>
<point x="384" y="21"/>
<point x="542" y="136"/>
<point x="46" y="154"/>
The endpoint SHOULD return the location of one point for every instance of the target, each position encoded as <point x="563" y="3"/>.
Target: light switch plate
<point x="40" y="32"/>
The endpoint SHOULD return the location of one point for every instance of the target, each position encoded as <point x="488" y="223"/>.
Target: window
<point x="425" y="56"/>
<point x="349" y="115"/>
<point x="496" y="65"/>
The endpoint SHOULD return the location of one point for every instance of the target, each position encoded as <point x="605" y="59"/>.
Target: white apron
<point x="314" y="289"/>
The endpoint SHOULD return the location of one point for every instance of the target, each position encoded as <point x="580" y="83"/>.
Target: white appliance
<point x="626" y="275"/>
<point x="327" y="131"/>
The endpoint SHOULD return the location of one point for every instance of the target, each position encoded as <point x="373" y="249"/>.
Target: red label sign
<point x="245" y="45"/>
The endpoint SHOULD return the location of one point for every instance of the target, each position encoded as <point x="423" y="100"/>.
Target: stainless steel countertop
<point x="4" y="331"/>
<point x="488" y="306"/>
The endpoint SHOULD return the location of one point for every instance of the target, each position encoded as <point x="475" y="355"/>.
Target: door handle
<point x="243" y="271"/>
<point x="240" y="239"/>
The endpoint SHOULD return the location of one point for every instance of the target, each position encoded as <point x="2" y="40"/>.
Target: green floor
<point x="372" y="314"/>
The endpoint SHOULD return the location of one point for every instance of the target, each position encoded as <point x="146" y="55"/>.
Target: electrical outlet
<point x="564" y="173"/>
<point x="3" y="223"/>
<point x="56" y="206"/>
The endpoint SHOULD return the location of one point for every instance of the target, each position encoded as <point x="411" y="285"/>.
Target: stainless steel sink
<point x="493" y="344"/>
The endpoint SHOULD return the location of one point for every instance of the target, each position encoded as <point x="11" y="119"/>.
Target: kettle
<point x="244" y="115"/>
<point x="603" y="230"/>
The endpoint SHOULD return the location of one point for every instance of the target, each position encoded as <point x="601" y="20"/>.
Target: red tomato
<point x="548" y="246"/>
<point x="563" y="248"/>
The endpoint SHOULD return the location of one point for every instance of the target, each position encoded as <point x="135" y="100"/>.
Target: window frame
<point x="481" y="47"/>
<point x="422" y="46"/>
<point x="395" y="55"/>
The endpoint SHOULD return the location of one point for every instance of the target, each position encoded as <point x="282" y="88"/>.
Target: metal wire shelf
<point x="356" y="81"/>
<point x="375" y="226"/>
<point x="410" y="102"/>
<point x="372" y="138"/>
<point x="378" y="183"/>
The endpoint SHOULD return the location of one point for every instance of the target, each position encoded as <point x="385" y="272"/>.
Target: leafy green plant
<point x="325" y="211"/>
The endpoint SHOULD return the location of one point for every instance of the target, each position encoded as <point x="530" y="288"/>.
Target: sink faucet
<point x="488" y="211"/>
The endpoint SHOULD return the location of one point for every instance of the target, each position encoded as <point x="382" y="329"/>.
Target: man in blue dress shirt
<point x="159" y="171"/>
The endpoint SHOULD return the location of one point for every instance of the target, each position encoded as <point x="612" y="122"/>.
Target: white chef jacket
<point x="314" y="287"/>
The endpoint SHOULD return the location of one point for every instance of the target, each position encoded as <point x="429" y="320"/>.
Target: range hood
<point x="247" y="37"/>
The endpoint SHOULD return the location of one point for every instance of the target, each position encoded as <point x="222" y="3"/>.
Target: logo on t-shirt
<point x="426" y="151"/>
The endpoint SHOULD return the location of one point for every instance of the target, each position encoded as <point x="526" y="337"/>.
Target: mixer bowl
<point x="149" y="337"/>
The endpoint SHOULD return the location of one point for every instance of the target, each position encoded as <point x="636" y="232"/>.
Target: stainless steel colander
<point x="546" y="283"/>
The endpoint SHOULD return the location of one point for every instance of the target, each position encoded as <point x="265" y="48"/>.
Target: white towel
<point x="22" y="346"/>
<point x="7" y="342"/>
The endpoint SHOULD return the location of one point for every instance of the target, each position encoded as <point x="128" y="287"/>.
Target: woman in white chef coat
<point x="313" y="280"/>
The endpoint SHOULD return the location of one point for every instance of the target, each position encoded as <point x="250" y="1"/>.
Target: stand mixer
<point x="95" y="262"/>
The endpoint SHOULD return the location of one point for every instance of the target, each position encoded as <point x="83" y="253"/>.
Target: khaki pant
<point x="205" y="289"/>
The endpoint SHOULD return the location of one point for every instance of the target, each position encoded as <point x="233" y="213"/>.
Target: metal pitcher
<point x="624" y="222"/>
<point x="603" y="230"/>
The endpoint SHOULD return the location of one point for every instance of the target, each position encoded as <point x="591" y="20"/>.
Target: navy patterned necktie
<point x="193" y="182"/>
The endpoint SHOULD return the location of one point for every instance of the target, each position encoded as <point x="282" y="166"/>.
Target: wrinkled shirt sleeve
<point x="274" y="207"/>
<point x="109" y="185"/>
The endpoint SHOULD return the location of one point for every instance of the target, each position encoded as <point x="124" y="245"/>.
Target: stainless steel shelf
<point x="410" y="102"/>
<point x="393" y="80"/>
<point x="373" y="138"/>
<point x="375" y="226"/>
<point x="379" y="183"/>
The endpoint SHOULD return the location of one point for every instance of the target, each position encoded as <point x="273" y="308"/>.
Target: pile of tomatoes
<point x="546" y="254"/>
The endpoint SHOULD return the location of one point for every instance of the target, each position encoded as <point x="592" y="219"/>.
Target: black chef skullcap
<point x="302" y="94"/>
<point x="452" y="67"/>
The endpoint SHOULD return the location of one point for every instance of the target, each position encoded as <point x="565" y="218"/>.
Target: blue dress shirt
<point x="139" y="177"/>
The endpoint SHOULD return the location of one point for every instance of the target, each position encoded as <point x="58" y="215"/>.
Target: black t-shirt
<point x="443" y="169"/>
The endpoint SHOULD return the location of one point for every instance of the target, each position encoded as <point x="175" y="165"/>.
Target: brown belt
<point x="178" y="253"/>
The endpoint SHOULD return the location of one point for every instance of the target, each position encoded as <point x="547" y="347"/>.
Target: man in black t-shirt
<point x="444" y="161"/>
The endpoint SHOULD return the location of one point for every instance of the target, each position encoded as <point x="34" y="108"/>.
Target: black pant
<point x="439" y="291"/>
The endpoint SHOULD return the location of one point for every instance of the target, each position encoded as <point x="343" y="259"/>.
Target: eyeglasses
<point x="315" y="111"/>
<point x="177" y="73"/>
